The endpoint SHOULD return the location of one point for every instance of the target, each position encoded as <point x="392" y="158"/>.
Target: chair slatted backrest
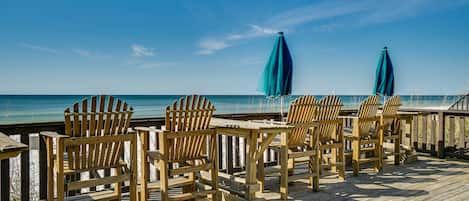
<point x="106" y="118"/>
<point x="368" y="110"/>
<point x="327" y="116"/>
<point x="390" y="109"/>
<point x="301" y="110"/>
<point x="190" y="113"/>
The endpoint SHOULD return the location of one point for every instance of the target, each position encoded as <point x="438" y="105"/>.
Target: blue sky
<point x="221" y="46"/>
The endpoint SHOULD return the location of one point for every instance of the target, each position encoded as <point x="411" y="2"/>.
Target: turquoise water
<point x="40" y="108"/>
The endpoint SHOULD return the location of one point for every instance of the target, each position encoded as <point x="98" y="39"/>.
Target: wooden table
<point x="10" y="148"/>
<point x="253" y="132"/>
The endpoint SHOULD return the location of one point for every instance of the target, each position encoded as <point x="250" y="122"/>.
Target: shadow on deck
<point x="426" y="179"/>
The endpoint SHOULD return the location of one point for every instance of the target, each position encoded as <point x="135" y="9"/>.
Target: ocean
<point x="42" y="108"/>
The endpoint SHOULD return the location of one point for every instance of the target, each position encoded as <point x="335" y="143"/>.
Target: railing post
<point x="452" y="132"/>
<point x="462" y="133"/>
<point x="25" y="169"/>
<point x="415" y="130"/>
<point x="424" y="132"/>
<point x="229" y="152"/>
<point x="441" y="135"/>
<point x="220" y="151"/>
<point x="5" y="180"/>
<point x="43" y="170"/>
<point x="433" y="135"/>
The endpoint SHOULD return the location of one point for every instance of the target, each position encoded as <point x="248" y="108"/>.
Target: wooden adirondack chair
<point x="365" y="134"/>
<point x="184" y="142"/>
<point x="391" y="130"/>
<point x="300" y="115"/>
<point x="93" y="140"/>
<point x="329" y="133"/>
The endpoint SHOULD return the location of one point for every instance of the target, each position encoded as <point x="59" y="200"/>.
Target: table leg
<point x="251" y="181"/>
<point x="260" y="167"/>
<point x="284" y="167"/>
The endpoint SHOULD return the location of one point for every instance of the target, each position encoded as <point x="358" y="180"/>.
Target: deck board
<point x="427" y="179"/>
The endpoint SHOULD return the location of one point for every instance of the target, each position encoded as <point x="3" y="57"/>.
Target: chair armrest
<point x="52" y="134"/>
<point x="147" y="129"/>
<point x="348" y="117"/>
<point x="131" y="131"/>
<point x="270" y="122"/>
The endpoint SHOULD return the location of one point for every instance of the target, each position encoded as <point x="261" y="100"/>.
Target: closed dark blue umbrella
<point x="277" y="77"/>
<point x="384" y="82"/>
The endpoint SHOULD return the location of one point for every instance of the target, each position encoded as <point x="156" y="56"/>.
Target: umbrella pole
<point x="281" y="108"/>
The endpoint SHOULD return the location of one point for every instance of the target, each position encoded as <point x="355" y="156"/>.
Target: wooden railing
<point x="440" y="132"/>
<point x="421" y="129"/>
<point x="28" y="134"/>
<point x="462" y="104"/>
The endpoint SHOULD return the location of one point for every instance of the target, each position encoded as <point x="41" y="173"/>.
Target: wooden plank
<point x="93" y="132"/>
<point x="451" y="132"/>
<point x="415" y="131"/>
<point x="433" y="135"/>
<point x="25" y="169"/>
<point x="229" y="156"/>
<point x="424" y="132"/>
<point x="60" y="171"/>
<point x="441" y="135"/>
<point x="462" y="135"/>
<point x="43" y="187"/>
<point x="5" y="182"/>
<point x="284" y="167"/>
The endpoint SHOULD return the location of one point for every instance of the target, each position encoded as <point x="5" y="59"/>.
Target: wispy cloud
<point x="141" y="51"/>
<point x="138" y="63"/>
<point x="39" y="48"/>
<point x="89" y="53"/>
<point x="330" y="15"/>
<point x="334" y="14"/>
<point x="212" y="45"/>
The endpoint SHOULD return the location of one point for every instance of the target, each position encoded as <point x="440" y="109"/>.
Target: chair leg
<point x="214" y="172"/>
<point x="315" y="167"/>
<point x="60" y="171"/>
<point x="133" y="170"/>
<point x="163" y="166"/>
<point x="397" y="150"/>
<point x="191" y="176"/>
<point x="214" y="145"/>
<point x="50" y="169"/>
<point x="341" y="159"/>
<point x="356" y="157"/>
<point x="118" y="187"/>
<point x="261" y="173"/>
<point x="334" y="159"/>
<point x="376" y="163"/>
<point x="284" y="172"/>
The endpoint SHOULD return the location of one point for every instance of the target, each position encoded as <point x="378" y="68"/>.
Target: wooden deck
<point x="427" y="179"/>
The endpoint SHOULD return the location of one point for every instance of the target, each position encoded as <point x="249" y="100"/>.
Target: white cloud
<point x="258" y="30"/>
<point x="210" y="46"/>
<point x="39" y="48"/>
<point x="140" y="50"/>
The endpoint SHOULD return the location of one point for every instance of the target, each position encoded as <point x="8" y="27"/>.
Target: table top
<point x="9" y="145"/>
<point x="251" y="125"/>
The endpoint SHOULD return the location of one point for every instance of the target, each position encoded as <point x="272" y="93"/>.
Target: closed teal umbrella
<point x="277" y="77"/>
<point x="384" y="82"/>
